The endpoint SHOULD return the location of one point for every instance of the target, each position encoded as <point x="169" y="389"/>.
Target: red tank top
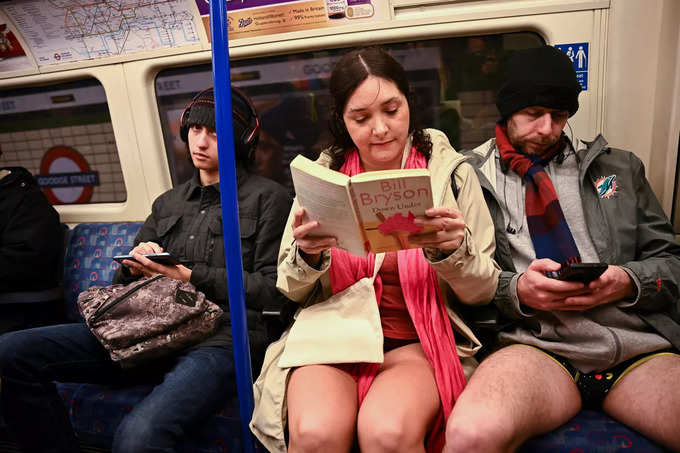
<point x="394" y="317"/>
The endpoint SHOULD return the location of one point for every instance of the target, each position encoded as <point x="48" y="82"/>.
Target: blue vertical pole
<point x="230" y="226"/>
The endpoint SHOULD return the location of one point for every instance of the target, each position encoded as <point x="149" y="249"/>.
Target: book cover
<point x="324" y="194"/>
<point x="372" y="211"/>
<point x="387" y="203"/>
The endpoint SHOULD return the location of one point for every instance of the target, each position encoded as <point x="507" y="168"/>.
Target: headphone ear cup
<point x="251" y="135"/>
<point x="183" y="126"/>
<point x="252" y="146"/>
<point x="250" y="121"/>
<point x="184" y="133"/>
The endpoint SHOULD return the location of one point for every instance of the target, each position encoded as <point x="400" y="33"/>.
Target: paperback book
<point x="369" y="212"/>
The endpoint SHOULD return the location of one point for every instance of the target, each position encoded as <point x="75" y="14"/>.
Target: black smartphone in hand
<point x="165" y="258"/>
<point x="581" y="272"/>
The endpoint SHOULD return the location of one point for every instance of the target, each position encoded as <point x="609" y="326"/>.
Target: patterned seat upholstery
<point x="88" y="258"/>
<point x="591" y="432"/>
<point x="96" y="410"/>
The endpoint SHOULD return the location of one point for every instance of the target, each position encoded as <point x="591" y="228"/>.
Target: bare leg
<point x="516" y="393"/>
<point x="401" y="405"/>
<point x="647" y="399"/>
<point x="322" y="409"/>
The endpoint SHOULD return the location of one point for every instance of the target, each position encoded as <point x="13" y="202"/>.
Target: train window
<point x="63" y="135"/>
<point x="454" y="81"/>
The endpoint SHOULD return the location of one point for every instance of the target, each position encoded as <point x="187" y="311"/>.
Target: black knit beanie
<point x="542" y="76"/>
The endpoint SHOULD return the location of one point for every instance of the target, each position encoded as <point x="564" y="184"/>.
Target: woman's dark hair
<point x="349" y="72"/>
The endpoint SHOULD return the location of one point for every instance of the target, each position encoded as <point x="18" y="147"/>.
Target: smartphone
<point x="164" y="258"/>
<point x="581" y="272"/>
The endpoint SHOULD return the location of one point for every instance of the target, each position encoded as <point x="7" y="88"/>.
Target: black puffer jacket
<point x="31" y="239"/>
<point x="187" y="221"/>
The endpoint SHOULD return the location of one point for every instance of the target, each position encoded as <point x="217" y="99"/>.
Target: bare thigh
<point x="401" y="404"/>
<point x="516" y="393"/>
<point x="647" y="398"/>
<point x="322" y="409"/>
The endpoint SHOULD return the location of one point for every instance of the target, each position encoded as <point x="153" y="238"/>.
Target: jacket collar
<point x="591" y="151"/>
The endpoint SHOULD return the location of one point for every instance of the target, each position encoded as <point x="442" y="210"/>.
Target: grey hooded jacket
<point x="629" y="229"/>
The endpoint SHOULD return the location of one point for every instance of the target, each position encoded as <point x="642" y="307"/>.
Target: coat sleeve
<point x="296" y="279"/>
<point x="470" y="271"/>
<point x="657" y="262"/>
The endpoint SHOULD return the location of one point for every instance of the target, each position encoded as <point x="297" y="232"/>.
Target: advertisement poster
<point x="250" y="18"/>
<point x="12" y="55"/>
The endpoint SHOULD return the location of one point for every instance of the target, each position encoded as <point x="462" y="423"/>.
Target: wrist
<point x="520" y="288"/>
<point x="312" y="259"/>
<point x="185" y="273"/>
<point x="629" y="288"/>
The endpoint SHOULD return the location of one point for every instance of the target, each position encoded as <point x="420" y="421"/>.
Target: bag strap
<point x="105" y="308"/>
<point x="379" y="258"/>
<point x="454" y="186"/>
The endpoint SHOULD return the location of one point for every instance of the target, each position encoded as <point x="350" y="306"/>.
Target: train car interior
<point x="91" y="95"/>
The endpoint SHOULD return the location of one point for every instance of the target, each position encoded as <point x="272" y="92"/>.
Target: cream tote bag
<point x="344" y="328"/>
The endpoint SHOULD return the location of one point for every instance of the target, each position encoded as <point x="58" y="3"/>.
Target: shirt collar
<point x="195" y="187"/>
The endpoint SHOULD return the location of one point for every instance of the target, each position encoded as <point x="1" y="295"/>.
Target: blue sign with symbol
<point x="578" y="54"/>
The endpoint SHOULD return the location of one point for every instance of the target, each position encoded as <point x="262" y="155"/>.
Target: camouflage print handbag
<point x="149" y="318"/>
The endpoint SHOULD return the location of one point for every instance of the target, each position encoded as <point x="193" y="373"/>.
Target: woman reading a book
<point x="333" y="389"/>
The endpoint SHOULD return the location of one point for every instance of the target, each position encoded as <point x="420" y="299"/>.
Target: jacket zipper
<point x="105" y="308"/>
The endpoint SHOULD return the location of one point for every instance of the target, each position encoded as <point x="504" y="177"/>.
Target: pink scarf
<point x="425" y="306"/>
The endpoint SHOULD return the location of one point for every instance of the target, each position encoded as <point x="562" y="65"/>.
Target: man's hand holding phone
<point x="613" y="285"/>
<point x="135" y="265"/>
<point x="536" y="290"/>
<point x="141" y="265"/>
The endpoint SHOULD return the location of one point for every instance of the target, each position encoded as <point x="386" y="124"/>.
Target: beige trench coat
<point x="470" y="272"/>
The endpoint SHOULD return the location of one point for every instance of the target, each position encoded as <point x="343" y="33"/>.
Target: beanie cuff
<point x="513" y="99"/>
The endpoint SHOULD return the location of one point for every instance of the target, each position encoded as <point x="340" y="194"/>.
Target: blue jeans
<point x="187" y="389"/>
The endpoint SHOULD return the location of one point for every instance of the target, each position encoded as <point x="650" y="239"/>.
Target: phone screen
<point x="162" y="258"/>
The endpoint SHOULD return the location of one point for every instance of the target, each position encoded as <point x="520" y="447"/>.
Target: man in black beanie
<point x="194" y="383"/>
<point x="603" y="339"/>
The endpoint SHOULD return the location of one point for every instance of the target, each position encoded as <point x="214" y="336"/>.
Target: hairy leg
<point x="322" y="409"/>
<point x="647" y="399"/>
<point x="516" y="393"/>
<point x="401" y="404"/>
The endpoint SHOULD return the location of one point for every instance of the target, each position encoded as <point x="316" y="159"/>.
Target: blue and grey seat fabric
<point x="591" y="432"/>
<point x="96" y="410"/>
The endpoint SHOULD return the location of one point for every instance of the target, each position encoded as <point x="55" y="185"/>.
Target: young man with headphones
<point x="194" y="384"/>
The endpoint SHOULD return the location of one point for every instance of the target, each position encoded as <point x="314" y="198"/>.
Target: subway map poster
<point x="60" y="31"/>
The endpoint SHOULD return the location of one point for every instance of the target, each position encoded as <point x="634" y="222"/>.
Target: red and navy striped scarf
<point x="548" y="228"/>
